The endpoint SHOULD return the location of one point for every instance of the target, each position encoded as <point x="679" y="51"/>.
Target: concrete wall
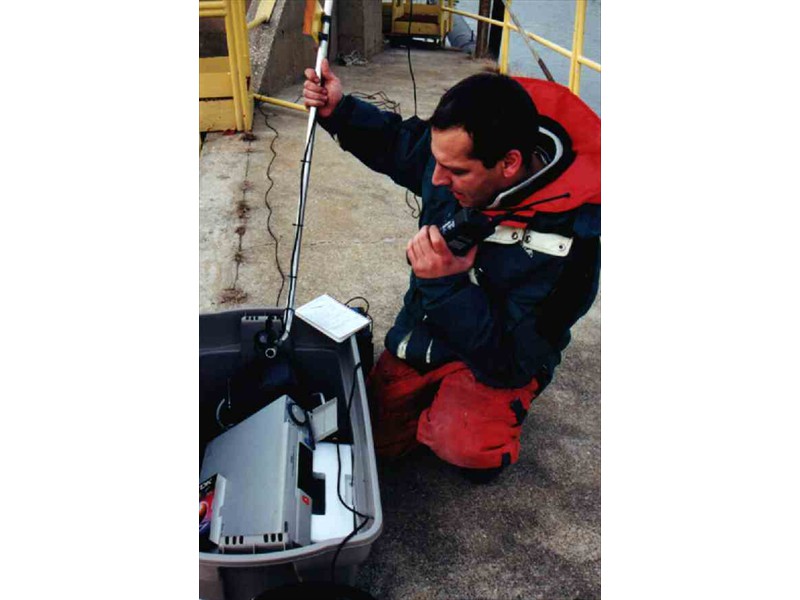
<point x="280" y="52"/>
<point x="359" y="27"/>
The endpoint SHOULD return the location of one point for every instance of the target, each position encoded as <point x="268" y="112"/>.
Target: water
<point x="553" y="20"/>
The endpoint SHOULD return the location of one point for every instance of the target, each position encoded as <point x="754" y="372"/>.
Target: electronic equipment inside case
<point x="267" y="462"/>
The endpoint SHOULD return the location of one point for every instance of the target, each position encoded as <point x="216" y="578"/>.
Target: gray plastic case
<point x="327" y="367"/>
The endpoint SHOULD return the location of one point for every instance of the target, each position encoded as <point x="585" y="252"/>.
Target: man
<point x="479" y="335"/>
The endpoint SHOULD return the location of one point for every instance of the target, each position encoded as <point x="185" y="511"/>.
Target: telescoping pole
<point x="322" y="52"/>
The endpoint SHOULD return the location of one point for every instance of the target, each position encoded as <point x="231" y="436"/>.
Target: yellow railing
<point x="226" y="101"/>
<point x="279" y="102"/>
<point x="575" y="55"/>
<point x="225" y="98"/>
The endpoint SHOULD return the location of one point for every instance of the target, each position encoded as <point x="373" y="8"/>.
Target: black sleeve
<point x="382" y="140"/>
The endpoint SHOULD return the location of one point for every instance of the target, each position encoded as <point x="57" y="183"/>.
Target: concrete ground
<point x="535" y="532"/>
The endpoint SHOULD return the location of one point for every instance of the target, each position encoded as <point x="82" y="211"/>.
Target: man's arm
<point x="381" y="140"/>
<point x="498" y="338"/>
<point x="501" y="338"/>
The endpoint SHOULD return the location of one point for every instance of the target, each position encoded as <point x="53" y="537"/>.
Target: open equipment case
<point x="323" y="366"/>
<point x="233" y="346"/>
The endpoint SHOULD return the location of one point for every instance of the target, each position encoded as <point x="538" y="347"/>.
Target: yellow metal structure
<point x="575" y="55"/>
<point x="225" y="98"/>
<point x="420" y="20"/>
<point x="505" y="41"/>
<point x="279" y="102"/>
<point x="577" y="46"/>
<point x="316" y="22"/>
<point x="392" y="11"/>
<point x="226" y="101"/>
<point x="263" y="13"/>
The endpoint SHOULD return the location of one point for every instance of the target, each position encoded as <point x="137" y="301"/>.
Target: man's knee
<point x="468" y="448"/>
<point x="474" y="426"/>
<point x="397" y="394"/>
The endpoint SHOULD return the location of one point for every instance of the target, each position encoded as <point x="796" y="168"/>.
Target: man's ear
<point x="512" y="163"/>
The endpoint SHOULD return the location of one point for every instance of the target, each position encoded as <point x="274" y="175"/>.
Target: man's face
<point x="472" y="184"/>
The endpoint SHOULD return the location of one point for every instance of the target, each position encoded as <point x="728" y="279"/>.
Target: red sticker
<point x="306" y="500"/>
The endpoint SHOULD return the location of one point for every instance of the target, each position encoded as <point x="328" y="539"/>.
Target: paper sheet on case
<point x="331" y="317"/>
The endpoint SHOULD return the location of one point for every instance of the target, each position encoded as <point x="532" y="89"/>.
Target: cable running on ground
<point x="267" y="204"/>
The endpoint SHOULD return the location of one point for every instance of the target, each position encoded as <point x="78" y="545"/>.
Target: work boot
<point x="481" y="476"/>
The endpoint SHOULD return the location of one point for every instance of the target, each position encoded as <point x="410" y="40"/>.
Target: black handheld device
<point x="470" y="226"/>
<point x="467" y="228"/>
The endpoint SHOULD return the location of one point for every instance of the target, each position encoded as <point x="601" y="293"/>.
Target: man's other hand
<point x="430" y="257"/>
<point x="325" y="96"/>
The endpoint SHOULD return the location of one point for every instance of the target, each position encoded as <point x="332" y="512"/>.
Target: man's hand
<point x="430" y="257"/>
<point x="325" y="96"/>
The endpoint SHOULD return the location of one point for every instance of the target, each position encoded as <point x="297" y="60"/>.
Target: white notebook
<point x="332" y="318"/>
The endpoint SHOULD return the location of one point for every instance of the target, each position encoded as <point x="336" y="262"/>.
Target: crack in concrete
<point x="233" y="294"/>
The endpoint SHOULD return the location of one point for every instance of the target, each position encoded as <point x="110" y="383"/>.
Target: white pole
<point x="322" y="52"/>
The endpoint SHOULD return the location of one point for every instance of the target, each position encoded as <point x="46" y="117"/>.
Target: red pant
<point x="463" y="421"/>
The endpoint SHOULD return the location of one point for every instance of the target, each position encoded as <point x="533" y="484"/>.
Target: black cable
<point x="379" y="99"/>
<point x="339" y="480"/>
<point x="509" y="212"/>
<point x="410" y="68"/>
<point x="339" y="549"/>
<point x="298" y="226"/>
<point x="414" y="213"/>
<point x="359" y="298"/>
<point x="349" y="407"/>
<point x="415" y="210"/>
<point x="304" y="424"/>
<point x="352" y="509"/>
<point x="267" y="204"/>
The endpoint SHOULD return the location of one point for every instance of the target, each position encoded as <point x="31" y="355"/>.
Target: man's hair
<point x="496" y="112"/>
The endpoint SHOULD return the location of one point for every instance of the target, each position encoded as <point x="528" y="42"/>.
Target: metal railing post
<point x="577" y="47"/>
<point x="442" y="16"/>
<point x="504" y="41"/>
<point x="279" y="102"/>
<point x="233" y="62"/>
<point x="482" y="39"/>
<point x="575" y="54"/>
<point x="445" y="20"/>
<point x="243" y="56"/>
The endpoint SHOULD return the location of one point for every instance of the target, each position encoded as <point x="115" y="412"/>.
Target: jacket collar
<point x="556" y="145"/>
<point x="569" y="139"/>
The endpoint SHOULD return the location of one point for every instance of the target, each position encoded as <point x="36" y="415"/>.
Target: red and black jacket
<point x="509" y="318"/>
